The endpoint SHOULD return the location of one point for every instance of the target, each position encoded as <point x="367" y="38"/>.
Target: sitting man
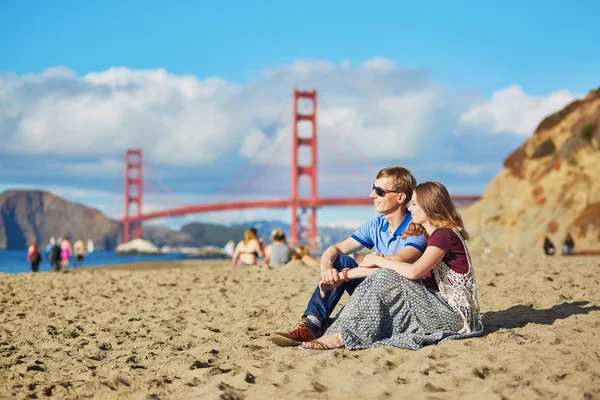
<point x="391" y="194"/>
<point x="278" y="252"/>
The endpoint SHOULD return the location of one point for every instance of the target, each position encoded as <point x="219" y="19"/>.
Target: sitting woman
<point x="413" y="305"/>
<point x="304" y="255"/>
<point x="248" y="250"/>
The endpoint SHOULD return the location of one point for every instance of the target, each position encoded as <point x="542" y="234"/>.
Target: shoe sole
<point x="283" y="341"/>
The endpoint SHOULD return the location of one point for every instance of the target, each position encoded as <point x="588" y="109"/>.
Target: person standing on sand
<point x="53" y="254"/>
<point x="79" y="250"/>
<point x="65" y="252"/>
<point x="34" y="257"/>
<point x="401" y="304"/>
<point x="248" y="250"/>
<point x="391" y="193"/>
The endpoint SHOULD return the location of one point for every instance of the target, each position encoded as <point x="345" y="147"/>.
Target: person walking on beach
<point x="34" y="257"/>
<point x="411" y="305"/>
<point x="65" y="252"/>
<point x="53" y="254"/>
<point x="248" y="250"/>
<point x="391" y="193"/>
<point x="278" y="252"/>
<point x="79" y="250"/>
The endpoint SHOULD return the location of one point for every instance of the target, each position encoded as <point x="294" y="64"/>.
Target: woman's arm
<point x="236" y="253"/>
<point x="259" y="248"/>
<point x="428" y="261"/>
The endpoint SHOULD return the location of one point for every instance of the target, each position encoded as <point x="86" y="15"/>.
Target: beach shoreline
<point x="198" y="329"/>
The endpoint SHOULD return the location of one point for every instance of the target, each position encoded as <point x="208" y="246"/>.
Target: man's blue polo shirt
<point x="374" y="233"/>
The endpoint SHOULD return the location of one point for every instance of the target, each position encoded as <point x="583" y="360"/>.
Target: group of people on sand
<point x="278" y="252"/>
<point x="568" y="246"/>
<point x="58" y="254"/>
<point x="416" y="289"/>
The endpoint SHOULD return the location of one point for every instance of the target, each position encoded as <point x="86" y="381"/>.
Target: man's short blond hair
<point x="278" y="235"/>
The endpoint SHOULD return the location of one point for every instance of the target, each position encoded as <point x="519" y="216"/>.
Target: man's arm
<point x="348" y="246"/>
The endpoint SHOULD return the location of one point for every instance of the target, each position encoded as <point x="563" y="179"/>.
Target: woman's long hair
<point x="434" y="199"/>
<point x="249" y="235"/>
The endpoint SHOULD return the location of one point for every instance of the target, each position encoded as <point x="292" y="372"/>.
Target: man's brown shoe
<point x="295" y="337"/>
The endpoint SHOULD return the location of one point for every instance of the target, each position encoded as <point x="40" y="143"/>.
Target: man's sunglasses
<point x="382" y="192"/>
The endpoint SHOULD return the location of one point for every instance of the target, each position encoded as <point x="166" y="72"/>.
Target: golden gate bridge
<point x="132" y="220"/>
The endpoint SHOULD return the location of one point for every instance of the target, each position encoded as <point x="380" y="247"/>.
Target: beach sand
<point x="200" y="329"/>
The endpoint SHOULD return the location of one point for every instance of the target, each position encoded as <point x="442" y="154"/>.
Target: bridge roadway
<point x="274" y="203"/>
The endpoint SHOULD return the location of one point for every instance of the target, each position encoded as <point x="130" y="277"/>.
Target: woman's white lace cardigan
<point x="460" y="292"/>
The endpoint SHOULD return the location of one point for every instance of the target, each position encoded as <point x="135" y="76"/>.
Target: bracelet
<point x="345" y="274"/>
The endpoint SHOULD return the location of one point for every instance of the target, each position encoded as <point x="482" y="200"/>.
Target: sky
<point x="204" y="89"/>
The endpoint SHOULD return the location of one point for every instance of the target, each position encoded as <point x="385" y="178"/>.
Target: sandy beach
<point x="199" y="329"/>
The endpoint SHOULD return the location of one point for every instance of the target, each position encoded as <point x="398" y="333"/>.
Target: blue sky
<point x="542" y="45"/>
<point x="437" y="79"/>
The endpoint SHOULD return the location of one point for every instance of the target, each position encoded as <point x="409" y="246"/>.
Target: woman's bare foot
<point x="330" y="342"/>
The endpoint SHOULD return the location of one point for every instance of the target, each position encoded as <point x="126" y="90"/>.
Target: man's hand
<point x="326" y="266"/>
<point x="329" y="275"/>
<point x="323" y="286"/>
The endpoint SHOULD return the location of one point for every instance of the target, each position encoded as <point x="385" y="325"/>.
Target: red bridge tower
<point x="133" y="193"/>
<point x="309" y="170"/>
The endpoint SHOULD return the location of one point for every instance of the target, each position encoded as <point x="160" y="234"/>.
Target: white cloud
<point x="182" y="120"/>
<point x="100" y="168"/>
<point x="376" y="111"/>
<point x="512" y="110"/>
<point x="379" y="64"/>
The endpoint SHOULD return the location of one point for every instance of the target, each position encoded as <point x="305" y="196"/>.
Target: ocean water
<point x="15" y="261"/>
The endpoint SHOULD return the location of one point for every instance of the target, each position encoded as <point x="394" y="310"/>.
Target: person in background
<point x="229" y="248"/>
<point x="548" y="246"/>
<point x="278" y="252"/>
<point x="65" y="252"/>
<point x="568" y="245"/>
<point x="248" y="250"/>
<point x="79" y="250"/>
<point x="34" y="257"/>
<point x="304" y="256"/>
<point x="53" y="254"/>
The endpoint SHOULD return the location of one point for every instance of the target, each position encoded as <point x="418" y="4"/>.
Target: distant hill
<point x="548" y="186"/>
<point x="205" y="234"/>
<point x="27" y="215"/>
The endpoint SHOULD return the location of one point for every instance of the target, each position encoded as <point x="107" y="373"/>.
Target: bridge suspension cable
<point x="260" y="170"/>
<point x="345" y="160"/>
<point x="266" y="140"/>
<point x="174" y="199"/>
<point x="347" y="138"/>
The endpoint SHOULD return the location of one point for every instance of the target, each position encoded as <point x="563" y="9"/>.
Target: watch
<point x="345" y="274"/>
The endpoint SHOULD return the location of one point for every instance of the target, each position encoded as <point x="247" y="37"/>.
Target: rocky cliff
<point x="27" y="215"/>
<point x="548" y="186"/>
